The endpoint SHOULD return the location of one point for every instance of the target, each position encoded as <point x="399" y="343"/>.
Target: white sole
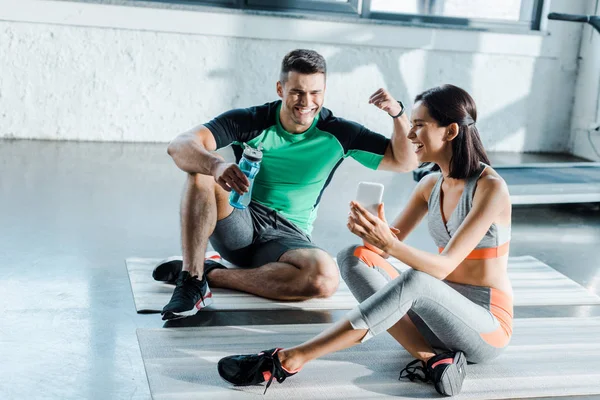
<point x="197" y="307"/>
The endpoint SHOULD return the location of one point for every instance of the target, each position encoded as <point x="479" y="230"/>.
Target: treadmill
<point x="548" y="183"/>
<point x="552" y="183"/>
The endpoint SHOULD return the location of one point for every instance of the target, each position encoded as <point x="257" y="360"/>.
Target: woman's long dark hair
<point x="449" y="104"/>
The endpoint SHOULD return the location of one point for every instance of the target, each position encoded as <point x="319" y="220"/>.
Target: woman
<point x="448" y="307"/>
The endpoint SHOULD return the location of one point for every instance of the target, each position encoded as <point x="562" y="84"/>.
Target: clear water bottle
<point x="249" y="164"/>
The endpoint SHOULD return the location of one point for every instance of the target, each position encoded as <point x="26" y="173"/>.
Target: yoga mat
<point x="534" y="283"/>
<point x="547" y="357"/>
<point x="151" y="296"/>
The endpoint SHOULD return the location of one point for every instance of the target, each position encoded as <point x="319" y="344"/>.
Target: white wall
<point x="84" y="71"/>
<point x="586" y="111"/>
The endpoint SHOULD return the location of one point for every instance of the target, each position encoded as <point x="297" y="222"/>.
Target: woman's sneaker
<point x="446" y="371"/>
<point x="252" y="369"/>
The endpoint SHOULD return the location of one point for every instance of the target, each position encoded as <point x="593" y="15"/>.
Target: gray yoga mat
<point x="547" y="357"/>
<point x="151" y="296"/>
<point x="534" y="283"/>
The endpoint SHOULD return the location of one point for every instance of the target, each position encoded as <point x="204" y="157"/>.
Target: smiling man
<point x="303" y="144"/>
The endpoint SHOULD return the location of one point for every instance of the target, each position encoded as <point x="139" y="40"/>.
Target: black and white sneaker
<point x="252" y="369"/>
<point x="190" y="296"/>
<point x="446" y="371"/>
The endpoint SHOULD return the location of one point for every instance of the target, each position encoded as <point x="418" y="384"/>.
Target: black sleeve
<point x="369" y="141"/>
<point x="354" y="136"/>
<point x="239" y="125"/>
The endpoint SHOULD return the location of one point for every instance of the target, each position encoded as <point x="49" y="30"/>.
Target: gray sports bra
<point x="495" y="237"/>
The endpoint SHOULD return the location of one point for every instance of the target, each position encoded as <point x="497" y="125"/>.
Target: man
<point x="303" y="144"/>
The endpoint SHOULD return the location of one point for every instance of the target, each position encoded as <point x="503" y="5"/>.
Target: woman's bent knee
<point x="347" y="260"/>
<point x="353" y="259"/>
<point x="412" y="277"/>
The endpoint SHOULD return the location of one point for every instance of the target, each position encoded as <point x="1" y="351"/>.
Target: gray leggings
<point x="450" y="316"/>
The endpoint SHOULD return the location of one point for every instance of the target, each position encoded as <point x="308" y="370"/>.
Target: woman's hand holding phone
<point x="374" y="230"/>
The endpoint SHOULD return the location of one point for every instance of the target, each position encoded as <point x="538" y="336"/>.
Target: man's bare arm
<point x="399" y="155"/>
<point x="192" y="153"/>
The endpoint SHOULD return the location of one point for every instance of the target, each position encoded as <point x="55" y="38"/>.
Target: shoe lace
<point x="415" y="370"/>
<point x="276" y="369"/>
<point x="181" y="293"/>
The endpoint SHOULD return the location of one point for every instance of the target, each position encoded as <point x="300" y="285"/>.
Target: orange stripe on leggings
<point x="483" y="254"/>
<point x="373" y="260"/>
<point x="501" y="307"/>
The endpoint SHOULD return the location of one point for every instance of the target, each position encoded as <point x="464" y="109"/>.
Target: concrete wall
<point x="586" y="111"/>
<point x="85" y="71"/>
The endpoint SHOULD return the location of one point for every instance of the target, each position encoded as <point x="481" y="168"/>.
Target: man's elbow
<point x="402" y="161"/>
<point x="409" y="165"/>
<point x="174" y="147"/>
<point x="406" y="165"/>
<point x="171" y="149"/>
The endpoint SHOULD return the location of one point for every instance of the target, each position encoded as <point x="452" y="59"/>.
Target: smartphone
<point x="370" y="195"/>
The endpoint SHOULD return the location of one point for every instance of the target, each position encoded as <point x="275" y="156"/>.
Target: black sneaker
<point x="446" y="371"/>
<point x="252" y="369"/>
<point x="190" y="296"/>
<point x="168" y="269"/>
<point x="415" y="370"/>
<point x="210" y="264"/>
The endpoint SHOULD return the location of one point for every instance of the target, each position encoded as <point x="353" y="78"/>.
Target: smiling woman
<point x="441" y="107"/>
<point x="449" y="308"/>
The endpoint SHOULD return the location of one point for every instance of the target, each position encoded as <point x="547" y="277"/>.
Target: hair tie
<point x="467" y="121"/>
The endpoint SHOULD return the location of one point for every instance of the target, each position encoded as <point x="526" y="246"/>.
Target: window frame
<point x="531" y="14"/>
<point x="349" y="7"/>
<point x="208" y="3"/>
<point x="532" y="24"/>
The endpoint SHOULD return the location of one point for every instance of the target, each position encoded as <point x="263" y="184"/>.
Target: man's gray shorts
<point x="257" y="235"/>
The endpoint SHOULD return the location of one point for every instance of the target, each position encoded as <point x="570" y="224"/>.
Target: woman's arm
<point x="416" y="208"/>
<point x="490" y="199"/>
<point x="410" y="216"/>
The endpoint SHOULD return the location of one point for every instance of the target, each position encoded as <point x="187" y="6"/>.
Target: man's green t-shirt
<point x="296" y="168"/>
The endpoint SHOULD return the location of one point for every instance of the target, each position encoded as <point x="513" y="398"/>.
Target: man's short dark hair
<point x="302" y="61"/>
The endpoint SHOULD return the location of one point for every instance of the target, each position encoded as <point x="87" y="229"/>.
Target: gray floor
<point x="72" y="212"/>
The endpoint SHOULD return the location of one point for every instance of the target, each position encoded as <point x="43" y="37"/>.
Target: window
<point x="474" y="14"/>
<point x="495" y="9"/>
<point x="339" y="6"/>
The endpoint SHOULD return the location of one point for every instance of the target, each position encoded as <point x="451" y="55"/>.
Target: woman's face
<point x="426" y="135"/>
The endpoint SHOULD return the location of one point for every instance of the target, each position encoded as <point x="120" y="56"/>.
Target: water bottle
<point x="249" y="164"/>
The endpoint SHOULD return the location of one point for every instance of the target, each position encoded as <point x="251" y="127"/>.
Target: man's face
<point x="302" y="97"/>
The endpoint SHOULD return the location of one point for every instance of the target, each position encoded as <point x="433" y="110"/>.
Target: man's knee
<point x="321" y="272"/>
<point x="200" y="182"/>
<point x="203" y="188"/>
<point x="324" y="282"/>
<point x="203" y="182"/>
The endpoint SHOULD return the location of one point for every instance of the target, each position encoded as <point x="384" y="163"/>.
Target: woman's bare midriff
<point x="489" y="273"/>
